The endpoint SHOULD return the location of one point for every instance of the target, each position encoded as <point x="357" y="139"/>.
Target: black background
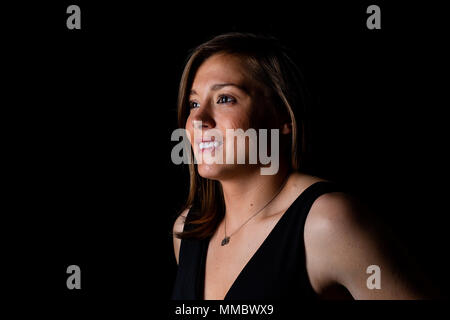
<point x="89" y="114"/>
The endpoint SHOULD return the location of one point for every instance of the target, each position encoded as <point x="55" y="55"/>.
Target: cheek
<point x="237" y="121"/>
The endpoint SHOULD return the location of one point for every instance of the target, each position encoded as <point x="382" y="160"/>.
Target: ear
<point x="286" y="128"/>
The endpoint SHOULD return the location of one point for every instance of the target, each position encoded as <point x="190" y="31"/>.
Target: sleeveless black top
<point x="277" y="270"/>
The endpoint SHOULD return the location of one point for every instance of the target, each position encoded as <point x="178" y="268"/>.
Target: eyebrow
<point x="219" y="86"/>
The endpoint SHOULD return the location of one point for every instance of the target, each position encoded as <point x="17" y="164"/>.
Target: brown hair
<point x="271" y="65"/>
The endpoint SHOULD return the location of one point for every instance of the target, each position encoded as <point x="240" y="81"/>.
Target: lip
<point x="207" y="144"/>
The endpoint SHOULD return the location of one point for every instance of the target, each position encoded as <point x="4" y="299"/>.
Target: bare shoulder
<point x="334" y="210"/>
<point x="331" y="212"/>
<point x="335" y="223"/>
<point x="178" y="227"/>
<point x="332" y="217"/>
<point x="332" y="205"/>
<point x="342" y="240"/>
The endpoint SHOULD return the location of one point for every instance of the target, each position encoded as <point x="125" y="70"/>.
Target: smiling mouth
<point x="208" y="145"/>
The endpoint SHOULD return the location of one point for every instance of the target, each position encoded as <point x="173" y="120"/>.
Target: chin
<point x="210" y="171"/>
<point x="222" y="171"/>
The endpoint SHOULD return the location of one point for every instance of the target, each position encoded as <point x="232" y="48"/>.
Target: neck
<point x="247" y="194"/>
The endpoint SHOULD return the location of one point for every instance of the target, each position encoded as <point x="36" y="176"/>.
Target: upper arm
<point x="178" y="228"/>
<point x="341" y="242"/>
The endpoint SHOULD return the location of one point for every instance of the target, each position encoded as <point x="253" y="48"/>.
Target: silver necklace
<point x="226" y="240"/>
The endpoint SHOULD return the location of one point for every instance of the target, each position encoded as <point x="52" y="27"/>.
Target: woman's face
<point x="223" y="96"/>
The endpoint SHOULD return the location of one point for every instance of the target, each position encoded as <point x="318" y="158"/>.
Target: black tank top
<point x="277" y="270"/>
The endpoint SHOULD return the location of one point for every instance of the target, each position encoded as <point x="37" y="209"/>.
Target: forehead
<point x="222" y="68"/>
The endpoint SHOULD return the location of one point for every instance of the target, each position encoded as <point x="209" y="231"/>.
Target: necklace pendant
<point x="225" y="241"/>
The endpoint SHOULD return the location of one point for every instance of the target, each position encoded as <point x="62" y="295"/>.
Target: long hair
<point x="270" y="64"/>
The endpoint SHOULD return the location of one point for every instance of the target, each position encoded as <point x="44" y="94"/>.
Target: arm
<point x="341" y="242"/>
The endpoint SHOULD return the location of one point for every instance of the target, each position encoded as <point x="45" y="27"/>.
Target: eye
<point x="226" y="99"/>
<point x="193" y="104"/>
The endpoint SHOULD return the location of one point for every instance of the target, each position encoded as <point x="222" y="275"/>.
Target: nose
<point x="202" y="118"/>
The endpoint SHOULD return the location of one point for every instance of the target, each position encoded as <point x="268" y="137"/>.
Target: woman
<point x="248" y="235"/>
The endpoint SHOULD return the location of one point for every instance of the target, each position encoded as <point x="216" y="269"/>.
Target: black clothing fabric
<point x="277" y="270"/>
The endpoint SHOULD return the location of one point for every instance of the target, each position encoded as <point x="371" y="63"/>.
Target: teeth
<point x="206" y="145"/>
